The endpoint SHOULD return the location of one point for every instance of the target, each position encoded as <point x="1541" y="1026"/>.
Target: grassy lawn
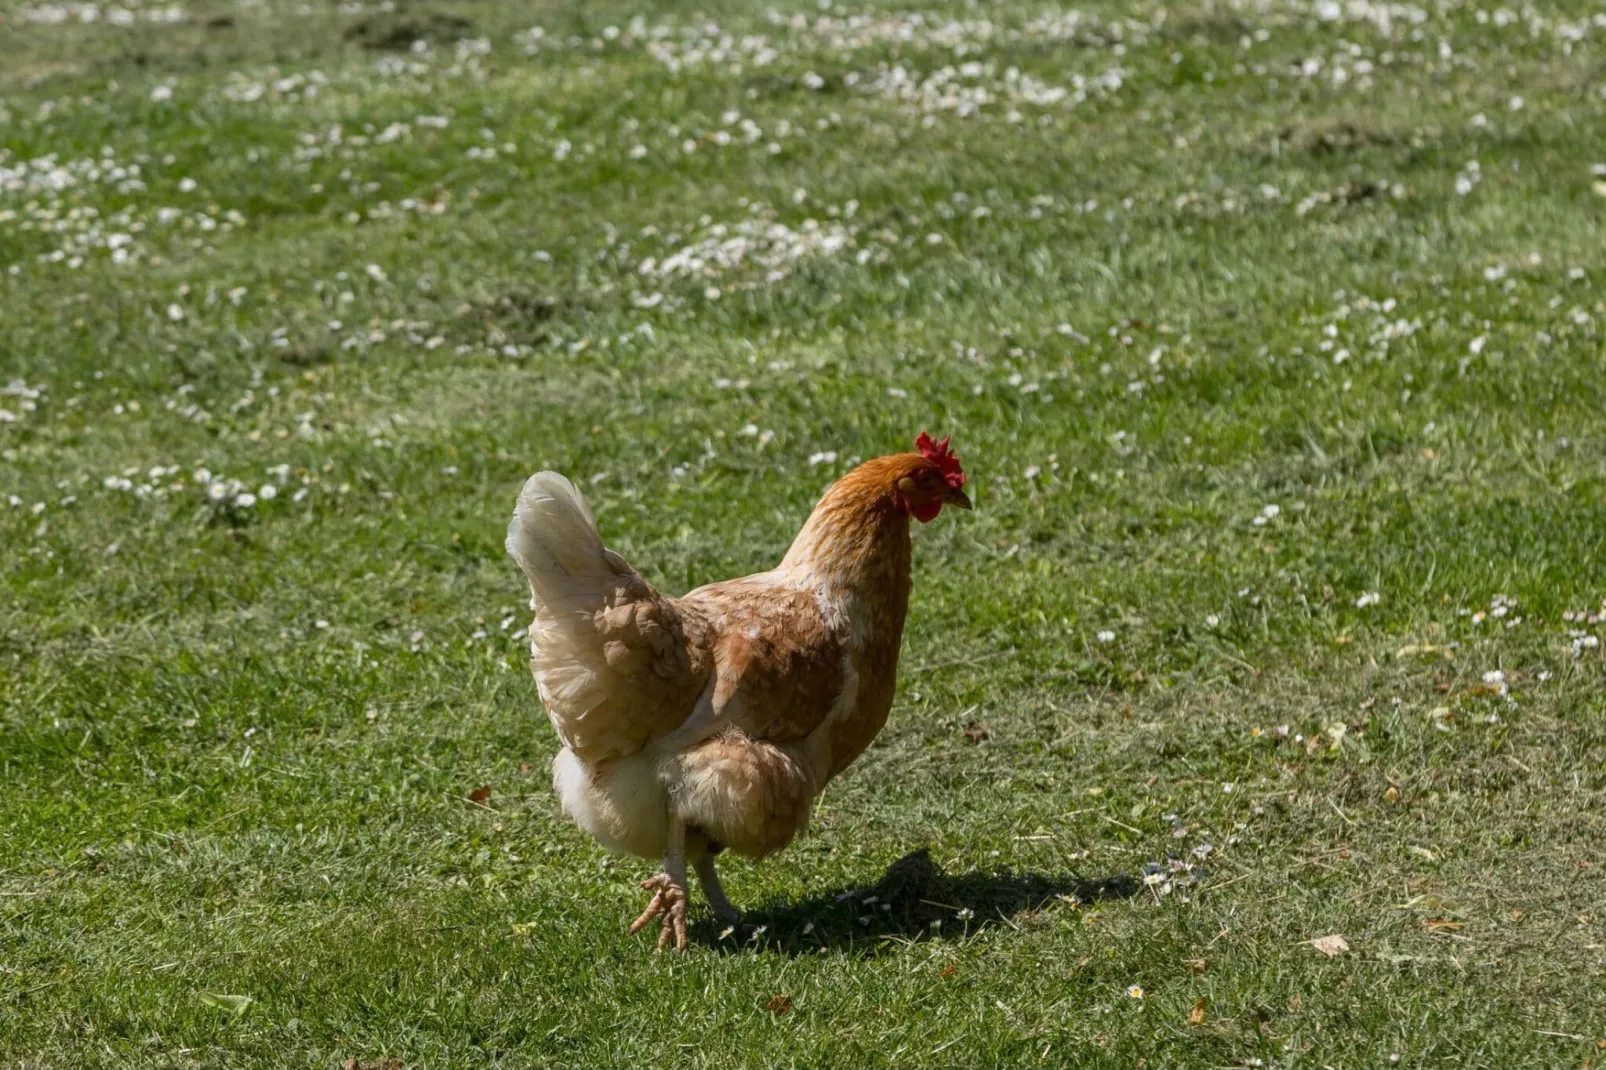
<point x="1270" y="332"/>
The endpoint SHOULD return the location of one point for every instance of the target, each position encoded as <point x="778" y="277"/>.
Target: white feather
<point x="554" y="538"/>
<point x="624" y="805"/>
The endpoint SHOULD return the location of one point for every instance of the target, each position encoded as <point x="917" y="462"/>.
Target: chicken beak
<point x="958" y="499"/>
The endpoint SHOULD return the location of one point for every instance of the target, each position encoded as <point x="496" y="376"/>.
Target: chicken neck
<point x="854" y="550"/>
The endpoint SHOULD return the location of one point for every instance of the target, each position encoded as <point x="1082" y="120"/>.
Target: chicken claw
<point x="668" y="902"/>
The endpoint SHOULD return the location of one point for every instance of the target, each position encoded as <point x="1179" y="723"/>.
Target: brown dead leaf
<point x="1196" y="1016"/>
<point x="1391" y="796"/>
<point x="1441" y="925"/>
<point x="1194" y="966"/>
<point x="948" y="973"/>
<point x="1298" y="1001"/>
<point x="524" y="769"/>
<point x="480" y="794"/>
<point x="1330" y="945"/>
<point x="975" y="732"/>
<point x="372" y="1064"/>
<point x="780" y="1004"/>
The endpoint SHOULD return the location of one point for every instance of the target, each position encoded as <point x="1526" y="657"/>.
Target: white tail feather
<point x="554" y="538"/>
<point x="607" y="651"/>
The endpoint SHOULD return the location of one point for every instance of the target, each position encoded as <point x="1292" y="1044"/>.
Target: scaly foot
<point x="727" y="914"/>
<point x="669" y="903"/>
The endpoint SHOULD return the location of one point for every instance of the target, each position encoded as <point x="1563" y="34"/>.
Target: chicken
<point x="709" y="722"/>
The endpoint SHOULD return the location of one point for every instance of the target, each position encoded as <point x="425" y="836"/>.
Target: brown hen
<point x="711" y="721"/>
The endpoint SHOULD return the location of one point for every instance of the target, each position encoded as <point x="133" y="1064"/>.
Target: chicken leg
<point x="669" y="892"/>
<point x="723" y="910"/>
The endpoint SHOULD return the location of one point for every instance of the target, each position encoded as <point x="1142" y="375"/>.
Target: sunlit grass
<point x="1271" y="339"/>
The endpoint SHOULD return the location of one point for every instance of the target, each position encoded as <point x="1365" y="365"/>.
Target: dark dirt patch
<point x="396" y="33"/>
<point x="308" y="354"/>
<point x="519" y="316"/>
<point x="1330" y="135"/>
<point x="1204" y="26"/>
<point x="1362" y="191"/>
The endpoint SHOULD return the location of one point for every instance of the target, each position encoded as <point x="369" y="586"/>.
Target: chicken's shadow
<point x="914" y="900"/>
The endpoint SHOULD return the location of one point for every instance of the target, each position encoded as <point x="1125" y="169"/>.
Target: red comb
<point x="938" y="454"/>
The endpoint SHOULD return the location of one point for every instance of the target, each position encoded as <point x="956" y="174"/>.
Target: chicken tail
<point x="554" y="538"/>
<point x="608" y="652"/>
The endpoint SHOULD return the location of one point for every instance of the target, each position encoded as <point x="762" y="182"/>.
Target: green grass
<point x="237" y="742"/>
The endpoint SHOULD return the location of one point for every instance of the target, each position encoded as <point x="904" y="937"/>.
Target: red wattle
<point x="926" y="513"/>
